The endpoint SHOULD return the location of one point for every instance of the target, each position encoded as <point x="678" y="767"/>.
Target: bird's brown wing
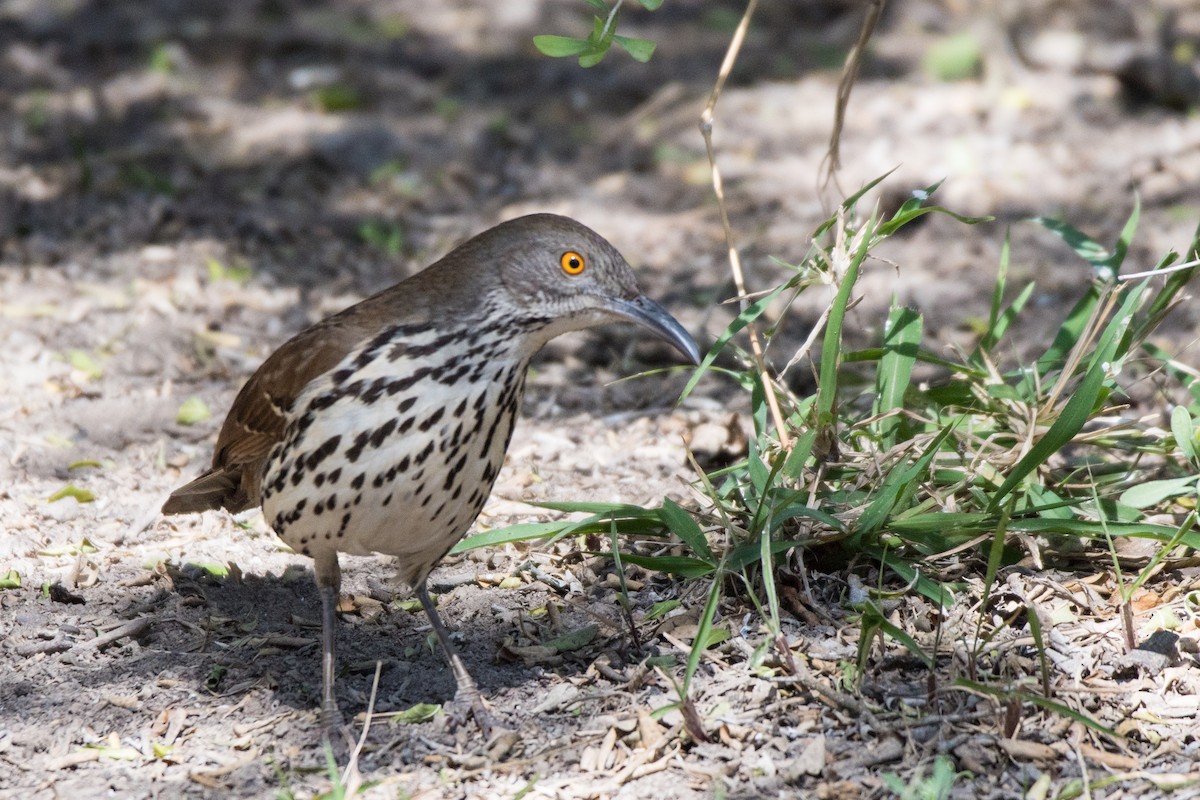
<point x="258" y="416"/>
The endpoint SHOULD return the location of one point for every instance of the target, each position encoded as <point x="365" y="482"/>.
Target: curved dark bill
<point x="643" y="311"/>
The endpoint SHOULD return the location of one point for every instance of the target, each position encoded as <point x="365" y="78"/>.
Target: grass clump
<point x="921" y="469"/>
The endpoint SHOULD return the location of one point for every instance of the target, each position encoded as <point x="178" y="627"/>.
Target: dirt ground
<point x="184" y="185"/>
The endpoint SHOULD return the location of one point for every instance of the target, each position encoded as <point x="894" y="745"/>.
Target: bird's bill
<point x="643" y="311"/>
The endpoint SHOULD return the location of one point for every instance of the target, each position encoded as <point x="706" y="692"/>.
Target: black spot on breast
<point x="327" y="448"/>
<point x="405" y="404"/>
<point x="451" y="378"/>
<point x="432" y="419"/>
<point x="453" y="473"/>
<point x="372" y="393"/>
<point x="411" y="380"/>
<point x="380" y="435"/>
<point x="357" y="483"/>
<point x="360" y="444"/>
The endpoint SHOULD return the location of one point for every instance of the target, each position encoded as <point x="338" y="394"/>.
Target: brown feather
<point x="453" y="286"/>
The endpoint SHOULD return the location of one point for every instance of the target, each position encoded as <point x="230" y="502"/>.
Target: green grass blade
<point x="1183" y="428"/>
<point x="702" y="633"/>
<point x="850" y="202"/>
<point x="895" y="484"/>
<point x="1084" y="399"/>
<point x="683" y="566"/>
<point x="1084" y="246"/>
<point x="1065" y="338"/>
<point x="999" y="286"/>
<point x="901" y="342"/>
<point x="831" y="347"/>
<point x="931" y="589"/>
<point x="751" y="313"/>
<point x="683" y="525"/>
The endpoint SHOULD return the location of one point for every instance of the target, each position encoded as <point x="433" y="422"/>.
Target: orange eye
<point x="572" y="263"/>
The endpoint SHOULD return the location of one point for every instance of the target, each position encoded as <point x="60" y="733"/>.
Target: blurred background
<point x="336" y="146"/>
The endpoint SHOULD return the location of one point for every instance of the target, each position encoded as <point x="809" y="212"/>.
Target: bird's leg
<point x="329" y="581"/>
<point x="467" y="693"/>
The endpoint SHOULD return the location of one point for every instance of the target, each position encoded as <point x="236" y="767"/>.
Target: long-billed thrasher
<point x="381" y="429"/>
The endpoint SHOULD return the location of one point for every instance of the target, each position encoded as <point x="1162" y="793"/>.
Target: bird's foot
<point x="335" y="731"/>
<point x="467" y="705"/>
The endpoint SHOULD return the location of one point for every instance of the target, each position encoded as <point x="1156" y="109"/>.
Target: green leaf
<point x="337" y="98"/>
<point x="83" y="362"/>
<point x="1104" y="263"/>
<point x="902" y="636"/>
<point x="683" y="525"/>
<point x="12" y="580"/>
<point x="573" y="640"/>
<point x="901" y="340"/>
<point x="509" y="534"/>
<point x="84" y="546"/>
<point x="714" y="637"/>
<point x="1077" y="410"/>
<point x="609" y="509"/>
<point x="71" y="490"/>
<point x="640" y="49"/>
<point x="560" y="46"/>
<point x="192" y="412"/>
<point x="702" y="633"/>
<point x="745" y="554"/>
<point x="659" y="609"/>
<point x="598" y="6"/>
<point x="752" y="312"/>
<point x="898" y="483"/>
<point x="414" y="715"/>
<point x="674" y="565"/>
<point x="211" y="567"/>
<point x="651" y="5"/>
<point x="595" y="56"/>
<point x="1183" y="427"/>
<point x="915" y="207"/>
<point x="239" y="273"/>
<point x="1151" y="493"/>
<point x="954" y="58"/>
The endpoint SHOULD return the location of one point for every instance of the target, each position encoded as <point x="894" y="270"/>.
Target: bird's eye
<point x="572" y="263"/>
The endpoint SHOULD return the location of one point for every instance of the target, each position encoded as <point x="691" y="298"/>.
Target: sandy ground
<point x="177" y="197"/>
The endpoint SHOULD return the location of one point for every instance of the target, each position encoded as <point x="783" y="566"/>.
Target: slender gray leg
<point x="329" y="580"/>
<point x="468" y="693"/>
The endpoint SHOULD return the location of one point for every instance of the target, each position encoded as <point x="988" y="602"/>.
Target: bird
<point x="382" y="428"/>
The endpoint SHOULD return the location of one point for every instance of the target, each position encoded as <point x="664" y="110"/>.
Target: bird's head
<point x="564" y="274"/>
